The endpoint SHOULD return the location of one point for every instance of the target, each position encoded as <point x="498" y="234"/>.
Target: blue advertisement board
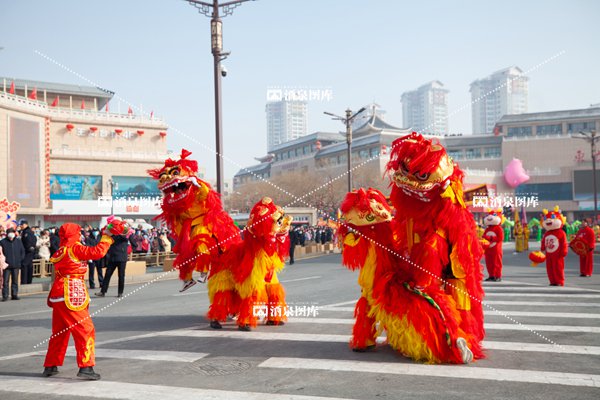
<point x="135" y="186"/>
<point x="75" y="187"/>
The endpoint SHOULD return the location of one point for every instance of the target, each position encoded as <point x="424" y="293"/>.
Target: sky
<point x="156" y="53"/>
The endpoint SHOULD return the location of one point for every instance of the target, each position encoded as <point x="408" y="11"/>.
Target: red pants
<point x="586" y="264"/>
<point x="555" y="267"/>
<point x="493" y="263"/>
<point x="64" y="323"/>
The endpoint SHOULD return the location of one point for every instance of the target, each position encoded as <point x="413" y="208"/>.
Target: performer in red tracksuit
<point x="494" y="234"/>
<point x="586" y="261"/>
<point x="555" y="245"/>
<point x="69" y="300"/>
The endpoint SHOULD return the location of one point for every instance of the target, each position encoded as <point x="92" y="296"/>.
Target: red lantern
<point x="536" y="257"/>
<point x="383" y="149"/>
<point x="318" y="145"/>
<point x="93" y="128"/>
<point x="118" y="131"/>
<point x="162" y="134"/>
<point x="140" y="132"/>
<point x="70" y="127"/>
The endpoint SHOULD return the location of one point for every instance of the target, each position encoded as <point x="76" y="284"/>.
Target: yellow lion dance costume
<point x="255" y="263"/>
<point x="194" y="213"/>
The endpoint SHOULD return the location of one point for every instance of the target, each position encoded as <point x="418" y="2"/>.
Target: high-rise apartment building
<point x="286" y="120"/>
<point x="504" y="92"/>
<point x="425" y="109"/>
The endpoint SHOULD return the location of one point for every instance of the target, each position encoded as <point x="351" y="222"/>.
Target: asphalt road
<point x="543" y="343"/>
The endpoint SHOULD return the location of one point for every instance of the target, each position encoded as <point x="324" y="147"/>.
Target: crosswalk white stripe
<point x="331" y="338"/>
<point x="149" y="355"/>
<point x="553" y="289"/>
<point x="132" y="391"/>
<point x="488" y="326"/>
<point x="301" y="279"/>
<point x="501" y="312"/>
<point x="442" y="371"/>
<point x="562" y="295"/>
<point x="541" y="303"/>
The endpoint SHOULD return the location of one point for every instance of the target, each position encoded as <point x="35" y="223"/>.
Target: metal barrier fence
<point x="43" y="268"/>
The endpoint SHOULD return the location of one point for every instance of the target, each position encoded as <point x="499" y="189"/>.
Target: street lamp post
<point x="347" y="120"/>
<point x="591" y="137"/>
<point x="216" y="11"/>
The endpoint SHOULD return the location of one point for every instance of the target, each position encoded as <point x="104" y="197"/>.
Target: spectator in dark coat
<point x="54" y="240"/>
<point x="293" y="243"/>
<point x="117" y="259"/>
<point x="29" y="241"/>
<point x="14" y="253"/>
<point x="93" y="265"/>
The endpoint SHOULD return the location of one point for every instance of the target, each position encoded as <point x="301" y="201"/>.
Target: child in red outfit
<point x="494" y="234"/>
<point x="69" y="300"/>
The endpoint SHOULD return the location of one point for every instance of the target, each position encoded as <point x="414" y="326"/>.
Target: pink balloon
<point x="514" y="173"/>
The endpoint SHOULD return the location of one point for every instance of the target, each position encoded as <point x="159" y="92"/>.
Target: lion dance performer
<point x="583" y="244"/>
<point x="69" y="299"/>
<point x="367" y="241"/>
<point x="437" y="235"/>
<point x="554" y="245"/>
<point x="256" y="262"/>
<point x="493" y="251"/>
<point x="193" y="211"/>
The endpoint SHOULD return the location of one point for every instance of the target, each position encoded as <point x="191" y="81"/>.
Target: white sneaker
<point x="465" y="352"/>
<point x="187" y="285"/>
<point x="203" y="277"/>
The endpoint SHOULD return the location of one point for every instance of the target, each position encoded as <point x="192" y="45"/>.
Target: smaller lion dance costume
<point x="554" y="247"/>
<point x="583" y="245"/>
<point x="194" y="213"/>
<point x="367" y="241"/>
<point x="69" y="300"/>
<point x="494" y="235"/>
<point x="442" y="319"/>
<point x="256" y="262"/>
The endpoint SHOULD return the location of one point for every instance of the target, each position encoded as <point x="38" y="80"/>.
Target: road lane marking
<point x="501" y="313"/>
<point x="441" y="371"/>
<point x="553" y="289"/>
<point x="301" y="279"/>
<point x="343" y="303"/>
<point x="148" y="355"/>
<point x="541" y="303"/>
<point x="562" y="295"/>
<point x="190" y="293"/>
<point x="331" y="338"/>
<point x="48" y="311"/>
<point x="132" y="391"/>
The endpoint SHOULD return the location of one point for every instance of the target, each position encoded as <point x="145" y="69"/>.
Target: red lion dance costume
<point x="494" y="234"/>
<point x="367" y="244"/>
<point x="438" y="238"/>
<point x="204" y="231"/>
<point x="69" y="300"/>
<point x="584" y="244"/>
<point x="555" y="245"/>
<point x="255" y="263"/>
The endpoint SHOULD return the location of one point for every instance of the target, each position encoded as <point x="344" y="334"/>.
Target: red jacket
<point x="70" y="266"/>
<point x="588" y="235"/>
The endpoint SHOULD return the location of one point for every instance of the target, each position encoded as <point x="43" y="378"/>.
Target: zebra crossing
<point x="535" y="336"/>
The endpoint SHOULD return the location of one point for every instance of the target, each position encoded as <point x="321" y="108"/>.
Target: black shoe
<point x="497" y="279"/>
<point x="16" y="298"/>
<point x="490" y="279"/>
<point x="275" y="323"/>
<point x="100" y="294"/>
<point x="88" y="373"/>
<point x="215" y="324"/>
<point x="363" y="349"/>
<point x="554" y="284"/>
<point x="244" y="328"/>
<point x="49" y="371"/>
<point x="5" y="299"/>
<point x="120" y="295"/>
